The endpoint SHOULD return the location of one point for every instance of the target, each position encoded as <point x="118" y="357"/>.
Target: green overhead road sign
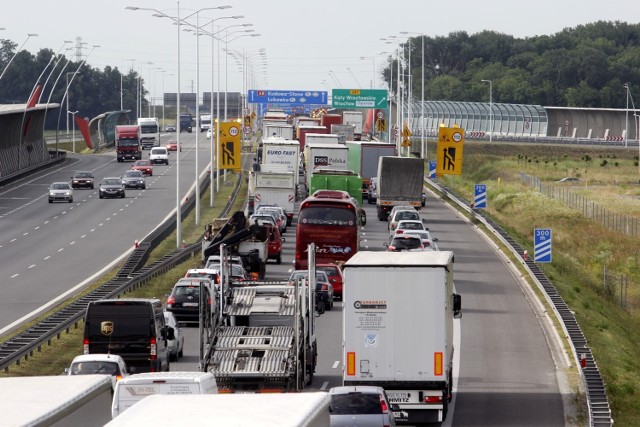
<point x="359" y="98"/>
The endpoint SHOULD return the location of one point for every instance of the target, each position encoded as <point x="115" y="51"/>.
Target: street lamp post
<point x="626" y="118"/>
<point x="490" y="108"/>
<point x="73" y="122"/>
<point x="121" y="82"/>
<point x="67" y="118"/>
<point x="422" y="128"/>
<point x="16" y="53"/>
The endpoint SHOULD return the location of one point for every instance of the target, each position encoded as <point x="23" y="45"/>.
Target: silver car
<point x="360" y="406"/>
<point x="133" y="179"/>
<point x="176" y="345"/>
<point x="60" y="191"/>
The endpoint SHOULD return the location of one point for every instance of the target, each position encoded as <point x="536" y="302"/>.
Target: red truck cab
<point x="128" y="145"/>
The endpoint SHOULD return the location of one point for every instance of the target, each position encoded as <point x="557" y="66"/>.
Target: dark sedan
<point x="184" y="301"/>
<point x="111" y="187"/>
<point x="82" y="179"/>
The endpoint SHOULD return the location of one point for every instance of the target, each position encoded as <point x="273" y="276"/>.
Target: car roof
<point x="98" y="357"/>
<point x="407" y="221"/>
<point x="61" y="182"/>
<point x="369" y="389"/>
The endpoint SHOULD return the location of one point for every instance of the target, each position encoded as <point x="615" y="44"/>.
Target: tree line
<point x="585" y="66"/>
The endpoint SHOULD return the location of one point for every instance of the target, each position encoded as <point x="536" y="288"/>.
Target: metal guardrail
<point x="597" y="400"/>
<point x="130" y="276"/>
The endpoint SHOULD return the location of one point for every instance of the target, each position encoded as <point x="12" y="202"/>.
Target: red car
<point x="173" y="146"/>
<point x="334" y="273"/>
<point x="274" y="247"/>
<point x="144" y="166"/>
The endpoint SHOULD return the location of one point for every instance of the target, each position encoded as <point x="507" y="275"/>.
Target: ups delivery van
<point x="133" y="328"/>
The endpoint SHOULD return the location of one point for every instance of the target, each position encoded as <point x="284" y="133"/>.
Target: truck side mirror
<point x="457" y="306"/>
<point x="363" y="217"/>
<point x="283" y="239"/>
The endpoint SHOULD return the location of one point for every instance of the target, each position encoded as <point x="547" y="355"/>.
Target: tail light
<point x="118" y="378"/>
<point x="383" y="405"/>
<point x="209" y="301"/>
<point x="427" y="244"/>
<point x="85" y="346"/>
<point x="391" y="248"/>
<point x="399" y="231"/>
<point x="433" y="399"/>
<point x="170" y="301"/>
<point x="325" y="287"/>
<point x="153" y="348"/>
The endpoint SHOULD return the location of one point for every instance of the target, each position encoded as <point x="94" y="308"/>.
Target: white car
<point x="407" y="226"/>
<point x="60" y="191"/>
<point x="209" y="133"/>
<point x="99" y="363"/>
<point x="428" y="241"/>
<point x="403" y="214"/>
<point x="176" y="345"/>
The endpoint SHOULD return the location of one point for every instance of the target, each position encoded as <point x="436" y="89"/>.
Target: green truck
<point x="362" y="158"/>
<point x="328" y="179"/>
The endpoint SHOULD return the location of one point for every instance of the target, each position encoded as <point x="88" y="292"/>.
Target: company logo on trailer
<point x="281" y="152"/>
<point x="320" y="161"/>
<point x="371" y="304"/>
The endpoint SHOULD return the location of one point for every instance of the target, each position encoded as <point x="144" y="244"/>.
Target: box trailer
<point x="328" y="156"/>
<point x="235" y="409"/>
<point x="363" y="159"/>
<point x="56" y="400"/>
<point x="398" y="315"/>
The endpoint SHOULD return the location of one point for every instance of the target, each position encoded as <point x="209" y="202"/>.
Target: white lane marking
<point x="46" y="258"/>
<point x="92" y="230"/>
<point x="37" y="228"/>
<point x="73" y="243"/>
<point x="25" y="234"/>
<point x="31" y="266"/>
<point x="61" y="249"/>
<point x="83" y="236"/>
<point x="324" y="385"/>
<point x="12" y="240"/>
<point x="336" y="364"/>
<point x="46" y="222"/>
<point x="15" y="275"/>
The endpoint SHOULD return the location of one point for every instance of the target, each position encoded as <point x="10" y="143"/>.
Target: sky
<point x="307" y="45"/>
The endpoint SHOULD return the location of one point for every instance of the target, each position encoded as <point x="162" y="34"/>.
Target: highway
<point x="48" y="249"/>
<point x="506" y="372"/>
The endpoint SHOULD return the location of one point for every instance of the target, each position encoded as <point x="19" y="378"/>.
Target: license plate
<point x="397" y="395"/>
<point x="190" y="304"/>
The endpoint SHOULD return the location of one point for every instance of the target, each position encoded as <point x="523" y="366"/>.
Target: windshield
<point x="327" y="215"/>
<point x="149" y="128"/>
<point x="83" y="175"/>
<point x="60" y="186"/>
<point x="111" y="182"/>
<point x="122" y="142"/>
<point x="410" y="226"/>
<point x="355" y="404"/>
<point x="406" y="243"/>
<point x="90" y="368"/>
<point x="133" y="174"/>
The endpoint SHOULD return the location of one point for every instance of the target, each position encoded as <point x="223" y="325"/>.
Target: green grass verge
<point x="581" y="248"/>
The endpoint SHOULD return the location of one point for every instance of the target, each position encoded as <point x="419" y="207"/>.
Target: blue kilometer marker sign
<point x="432" y="169"/>
<point x="542" y="245"/>
<point x="480" y="197"/>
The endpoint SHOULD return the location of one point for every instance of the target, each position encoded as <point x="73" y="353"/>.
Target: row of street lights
<point x="198" y="31"/>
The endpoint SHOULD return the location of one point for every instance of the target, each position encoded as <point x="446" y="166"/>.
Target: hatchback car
<point x="133" y="179"/>
<point x="360" y="406"/>
<point x="144" y="166"/>
<point x="173" y="146"/>
<point x="405" y="243"/>
<point x="99" y="363"/>
<point x="60" y="192"/>
<point x="324" y="288"/>
<point x="111" y="187"/>
<point x="184" y="300"/>
<point x="428" y="241"/>
<point x="334" y="273"/>
<point x="209" y="133"/>
<point x="82" y="179"/>
<point x="176" y="345"/>
<point x="404" y="214"/>
<point x="406" y="226"/>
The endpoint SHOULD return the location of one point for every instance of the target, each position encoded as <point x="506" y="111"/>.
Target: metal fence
<point x="623" y="224"/>
<point x="620" y="288"/>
